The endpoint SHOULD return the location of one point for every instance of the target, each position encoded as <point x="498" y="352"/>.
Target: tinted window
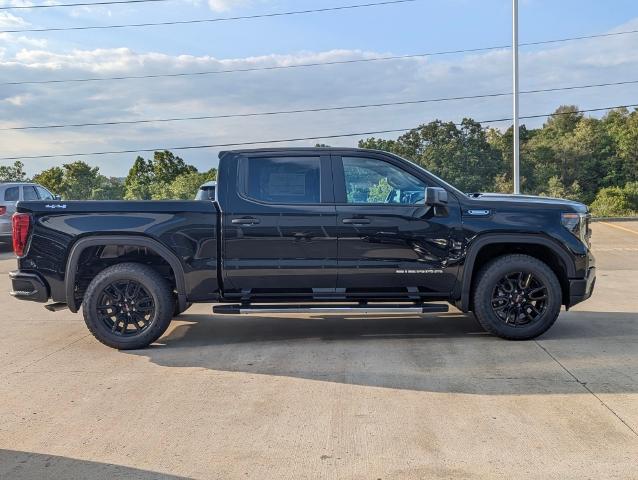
<point x="284" y="179"/>
<point x="374" y="181"/>
<point x="12" y="194"/>
<point x="44" y="194"/>
<point x="29" y="193"/>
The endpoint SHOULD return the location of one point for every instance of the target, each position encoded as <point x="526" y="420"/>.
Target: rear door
<point x="279" y="224"/>
<point x="391" y="244"/>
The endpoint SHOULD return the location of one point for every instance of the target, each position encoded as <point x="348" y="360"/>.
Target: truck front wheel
<point x="517" y="297"/>
<point x="128" y="306"/>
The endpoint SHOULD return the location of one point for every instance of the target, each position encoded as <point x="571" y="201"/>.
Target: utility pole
<point x="516" y="144"/>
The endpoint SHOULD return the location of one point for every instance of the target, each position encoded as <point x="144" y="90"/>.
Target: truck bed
<point x="183" y="230"/>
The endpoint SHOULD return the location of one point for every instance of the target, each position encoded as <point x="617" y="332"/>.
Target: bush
<point x="616" y="201"/>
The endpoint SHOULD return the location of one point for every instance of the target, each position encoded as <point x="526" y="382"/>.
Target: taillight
<point x="3" y="210"/>
<point x="21" y="223"/>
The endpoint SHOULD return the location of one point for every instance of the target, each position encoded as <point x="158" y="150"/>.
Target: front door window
<point x="374" y="181"/>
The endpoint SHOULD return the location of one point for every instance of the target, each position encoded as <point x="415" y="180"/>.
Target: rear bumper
<point x="580" y="289"/>
<point x="28" y="286"/>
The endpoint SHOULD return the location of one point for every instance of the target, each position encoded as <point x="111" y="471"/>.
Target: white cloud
<point x="16" y="3"/>
<point x="11" y="38"/>
<point x="225" y="5"/>
<point x="8" y="20"/>
<point x="594" y="61"/>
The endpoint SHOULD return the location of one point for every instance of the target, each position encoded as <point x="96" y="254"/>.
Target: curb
<point x="614" y="219"/>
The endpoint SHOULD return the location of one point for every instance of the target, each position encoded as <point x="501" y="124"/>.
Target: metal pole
<point x="516" y="144"/>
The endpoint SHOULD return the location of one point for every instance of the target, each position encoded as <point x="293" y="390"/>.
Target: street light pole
<point x="516" y="144"/>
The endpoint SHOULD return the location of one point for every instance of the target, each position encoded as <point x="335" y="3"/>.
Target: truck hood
<point x="506" y="199"/>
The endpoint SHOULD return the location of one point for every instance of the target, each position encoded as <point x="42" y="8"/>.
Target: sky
<point x="402" y="29"/>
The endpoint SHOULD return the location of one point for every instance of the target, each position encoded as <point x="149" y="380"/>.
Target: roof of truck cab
<point x="305" y="150"/>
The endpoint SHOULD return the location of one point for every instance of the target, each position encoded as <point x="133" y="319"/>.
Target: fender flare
<point x="490" y="239"/>
<point x="138" y="241"/>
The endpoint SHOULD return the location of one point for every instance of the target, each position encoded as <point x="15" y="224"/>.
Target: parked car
<point x="206" y="191"/>
<point x="307" y="230"/>
<point x="10" y="194"/>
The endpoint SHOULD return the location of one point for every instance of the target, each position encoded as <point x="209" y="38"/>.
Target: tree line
<point x="592" y="160"/>
<point x="163" y="177"/>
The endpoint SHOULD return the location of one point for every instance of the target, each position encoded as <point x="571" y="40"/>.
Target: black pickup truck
<point x="307" y="230"/>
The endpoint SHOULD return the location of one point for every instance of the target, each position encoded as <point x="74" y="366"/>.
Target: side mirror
<point x="435" y="196"/>
<point x="57" y="197"/>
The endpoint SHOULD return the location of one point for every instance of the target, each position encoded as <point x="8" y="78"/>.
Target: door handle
<point x="356" y="221"/>
<point x="245" y="221"/>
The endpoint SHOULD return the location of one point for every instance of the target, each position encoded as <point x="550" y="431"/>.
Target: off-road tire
<point x="486" y="282"/>
<point x="153" y="283"/>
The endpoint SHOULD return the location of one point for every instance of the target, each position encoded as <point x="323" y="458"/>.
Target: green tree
<point x="616" y="201"/>
<point x="51" y="179"/>
<point x="108" y="188"/>
<point x="13" y="173"/>
<point x="460" y="155"/>
<point x="185" y="186"/>
<point x="79" y="181"/>
<point x="379" y="192"/>
<point x="152" y="179"/>
<point x="138" y="183"/>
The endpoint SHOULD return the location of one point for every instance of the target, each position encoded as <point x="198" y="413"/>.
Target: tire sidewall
<point x="496" y="271"/>
<point x="161" y="300"/>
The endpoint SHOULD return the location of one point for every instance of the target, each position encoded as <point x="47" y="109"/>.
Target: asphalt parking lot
<point x="339" y="398"/>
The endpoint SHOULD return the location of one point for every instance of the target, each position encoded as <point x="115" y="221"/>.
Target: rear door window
<point x="283" y="180"/>
<point x="12" y="194"/>
<point x="29" y="193"/>
<point x="43" y="193"/>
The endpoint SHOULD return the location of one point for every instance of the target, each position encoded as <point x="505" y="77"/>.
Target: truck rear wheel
<point x="128" y="306"/>
<point x="517" y="297"/>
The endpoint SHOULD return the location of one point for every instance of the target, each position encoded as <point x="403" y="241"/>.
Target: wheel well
<point x="95" y="258"/>
<point x="541" y="252"/>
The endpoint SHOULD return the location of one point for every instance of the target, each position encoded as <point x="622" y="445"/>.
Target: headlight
<point x="578" y="224"/>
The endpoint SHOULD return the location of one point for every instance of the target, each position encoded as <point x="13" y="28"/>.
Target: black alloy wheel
<point x="126" y="308"/>
<point x="519" y="298"/>
<point x="516" y="296"/>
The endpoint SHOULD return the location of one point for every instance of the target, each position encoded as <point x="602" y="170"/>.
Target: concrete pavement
<point x="358" y="397"/>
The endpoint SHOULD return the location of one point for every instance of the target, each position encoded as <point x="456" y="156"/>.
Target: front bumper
<point x="28" y="286"/>
<point x="580" y="289"/>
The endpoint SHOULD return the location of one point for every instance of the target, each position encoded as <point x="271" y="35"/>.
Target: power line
<point x="314" y="110"/>
<point x="212" y="20"/>
<point x="315" y="64"/>
<point x="87" y="4"/>
<point x="287" y="140"/>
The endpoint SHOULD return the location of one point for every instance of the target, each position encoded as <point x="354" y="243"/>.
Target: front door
<point x="390" y="243"/>
<point x="279" y="227"/>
